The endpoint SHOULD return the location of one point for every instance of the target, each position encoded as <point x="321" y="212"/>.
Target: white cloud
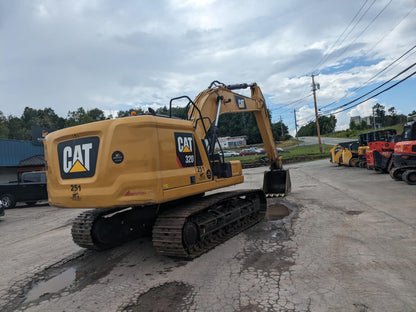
<point x="304" y="115"/>
<point x="119" y="55"/>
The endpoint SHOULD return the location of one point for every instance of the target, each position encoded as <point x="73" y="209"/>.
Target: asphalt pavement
<point x="347" y="244"/>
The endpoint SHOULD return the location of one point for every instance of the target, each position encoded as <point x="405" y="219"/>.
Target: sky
<point x="116" y="55"/>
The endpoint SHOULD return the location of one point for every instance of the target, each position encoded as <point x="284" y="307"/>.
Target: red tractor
<point x="381" y="146"/>
<point x="404" y="156"/>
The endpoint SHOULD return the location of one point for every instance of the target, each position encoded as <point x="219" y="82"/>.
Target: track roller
<point x="409" y="176"/>
<point x="396" y="173"/>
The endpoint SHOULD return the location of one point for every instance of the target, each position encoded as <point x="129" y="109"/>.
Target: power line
<point x="365" y="29"/>
<point x="324" y="58"/>
<point x="391" y="30"/>
<point x="372" y="78"/>
<point x="355" y="25"/>
<point x="310" y="118"/>
<point x="371" y="91"/>
<point x="373" y="96"/>
<point x="291" y="103"/>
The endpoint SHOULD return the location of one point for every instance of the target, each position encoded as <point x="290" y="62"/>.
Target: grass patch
<point x="354" y="133"/>
<point x="306" y="150"/>
<point x="288" y="143"/>
<point x="294" y="154"/>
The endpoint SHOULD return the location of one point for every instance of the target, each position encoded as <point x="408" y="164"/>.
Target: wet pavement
<point x="329" y="246"/>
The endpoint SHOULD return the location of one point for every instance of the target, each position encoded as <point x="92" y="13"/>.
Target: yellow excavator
<point x="150" y="172"/>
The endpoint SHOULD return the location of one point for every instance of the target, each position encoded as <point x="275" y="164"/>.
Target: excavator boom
<point x="221" y="99"/>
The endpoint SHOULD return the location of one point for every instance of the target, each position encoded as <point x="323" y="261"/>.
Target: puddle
<point x="279" y="261"/>
<point x="172" y="296"/>
<point x="70" y="275"/>
<point x="53" y="285"/>
<point x="277" y="212"/>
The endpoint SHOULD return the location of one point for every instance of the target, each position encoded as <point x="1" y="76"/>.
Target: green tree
<point x="326" y="125"/>
<point x="4" y="130"/>
<point x="244" y="124"/>
<point x="392" y="118"/>
<point x="42" y="117"/>
<point x="77" y="117"/>
<point x="380" y="113"/>
<point x="17" y="129"/>
<point x="80" y="116"/>
<point x="308" y="130"/>
<point x="180" y="112"/>
<point x="96" y="114"/>
<point x="20" y="128"/>
<point x="277" y="131"/>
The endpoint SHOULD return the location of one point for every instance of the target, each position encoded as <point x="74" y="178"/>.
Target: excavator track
<point x="101" y="229"/>
<point x="198" y="226"/>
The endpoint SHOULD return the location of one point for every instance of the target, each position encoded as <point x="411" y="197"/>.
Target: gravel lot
<point x="348" y="244"/>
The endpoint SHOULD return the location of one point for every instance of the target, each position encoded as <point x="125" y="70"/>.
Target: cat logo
<point x="78" y="158"/>
<point x="184" y="149"/>
<point x="184" y="144"/>
<point x="241" y="102"/>
<point x="187" y="152"/>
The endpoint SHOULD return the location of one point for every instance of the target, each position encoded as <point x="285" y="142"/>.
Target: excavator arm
<point x="219" y="99"/>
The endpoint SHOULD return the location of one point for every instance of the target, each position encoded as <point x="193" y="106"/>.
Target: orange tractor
<point x="404" y="157"/>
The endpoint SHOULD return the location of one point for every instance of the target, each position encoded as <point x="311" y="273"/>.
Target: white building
<point x="231" y="142"/>
<point x="357" y="120"/>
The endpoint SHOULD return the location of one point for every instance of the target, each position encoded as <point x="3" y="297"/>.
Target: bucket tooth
<point x="277" y="182"/>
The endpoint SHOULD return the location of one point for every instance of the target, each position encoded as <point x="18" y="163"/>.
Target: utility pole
<point x="316" y="86"/>
<point x="374" y="119"/>
<point x="281" y="127"/>
<point x="296" y="125"/>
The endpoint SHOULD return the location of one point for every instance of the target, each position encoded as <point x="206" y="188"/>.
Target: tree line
<point x="19" y="128"/>
<point x="326" y="126"/>
<point x="381" y="118"/>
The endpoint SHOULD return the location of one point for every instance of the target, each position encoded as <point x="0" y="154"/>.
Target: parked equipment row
<point x="384" y="151"/>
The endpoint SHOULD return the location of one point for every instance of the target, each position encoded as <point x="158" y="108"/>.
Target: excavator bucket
<point x="277" y="182"/>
